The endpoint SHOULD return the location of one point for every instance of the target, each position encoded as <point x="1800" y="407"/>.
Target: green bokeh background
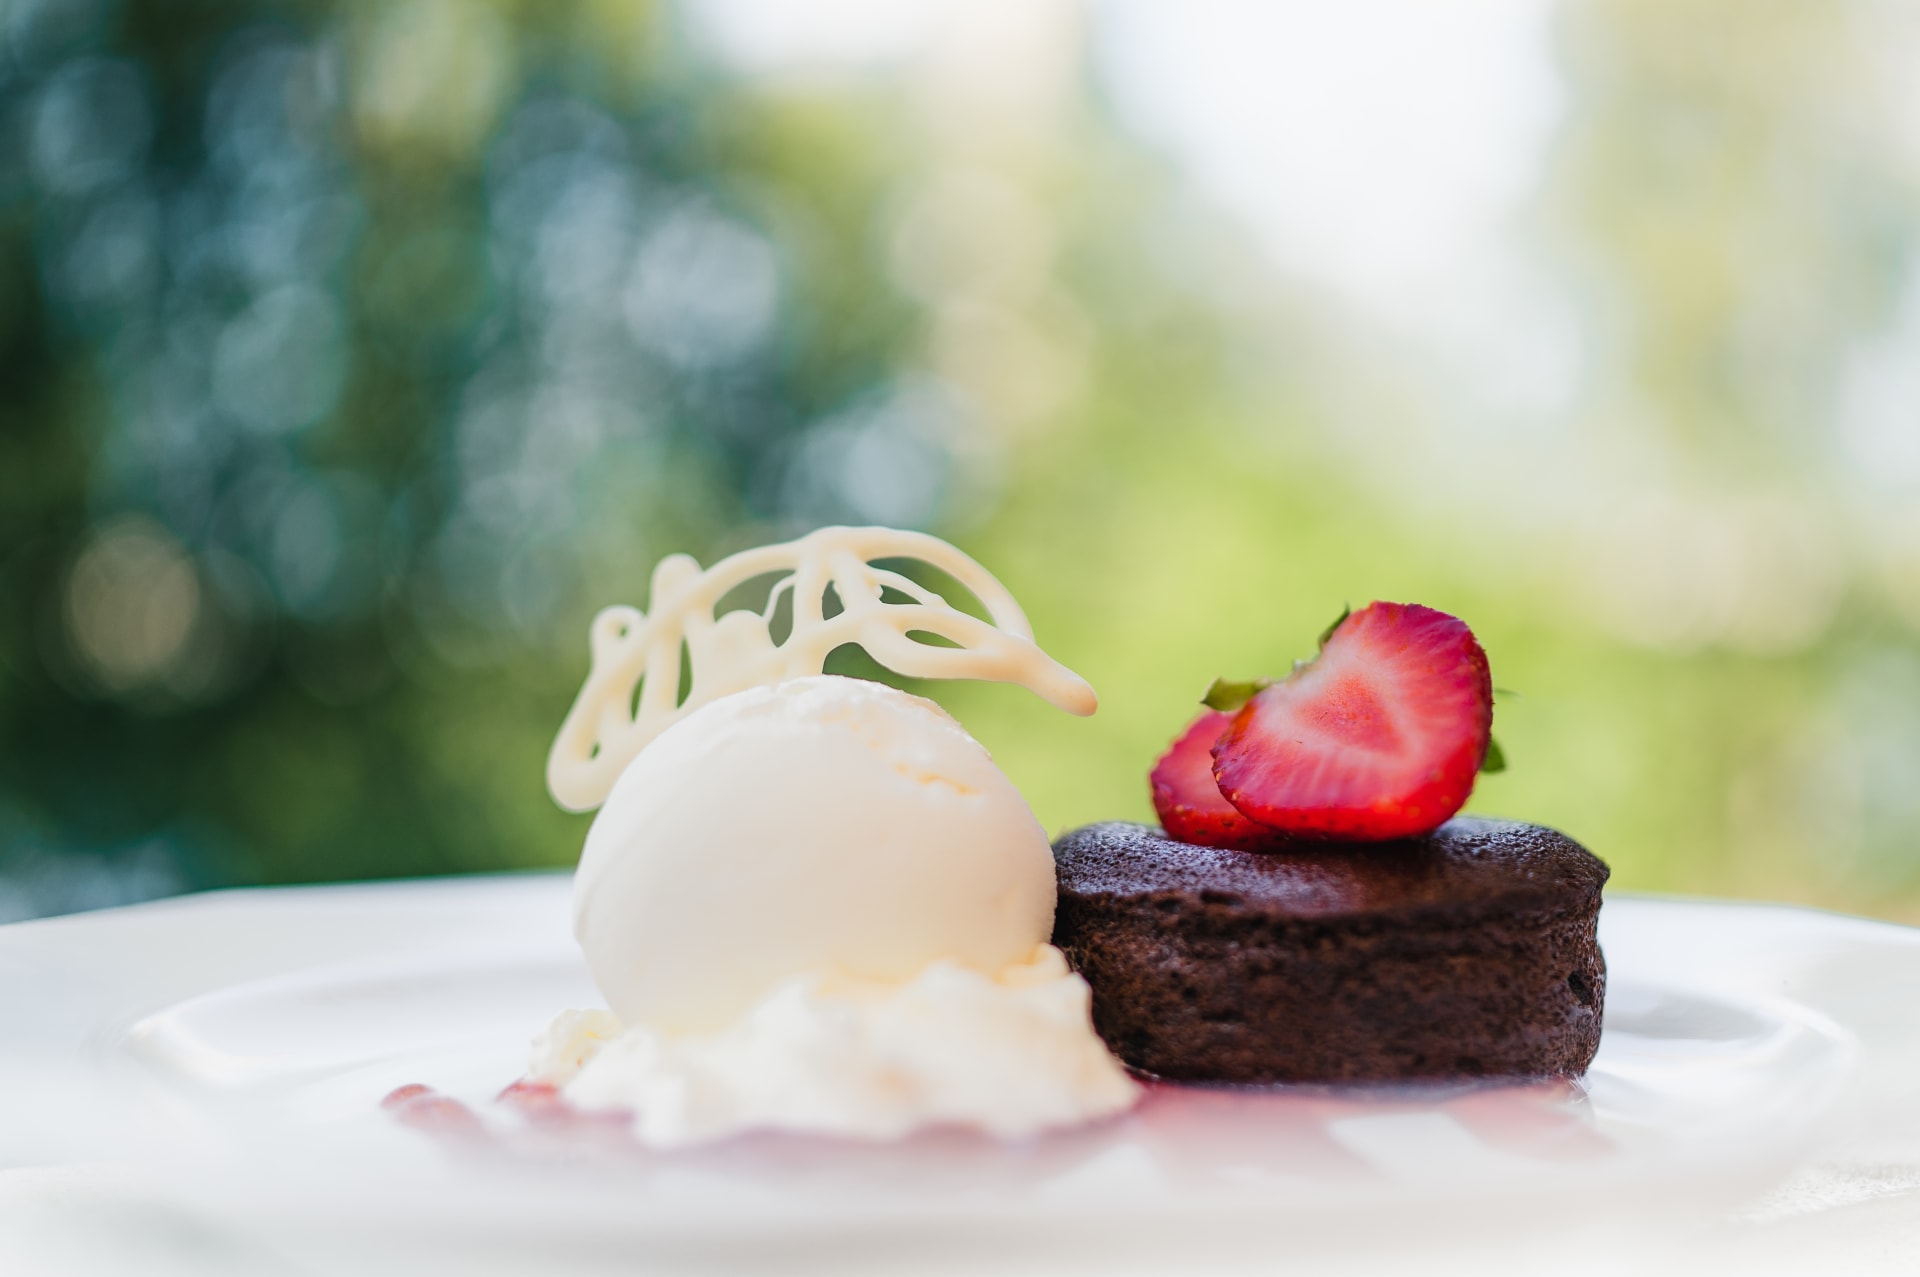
<point x="351" y="362"/>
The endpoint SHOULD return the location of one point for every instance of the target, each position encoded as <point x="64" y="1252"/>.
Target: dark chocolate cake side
<point x="1468" y="952"/>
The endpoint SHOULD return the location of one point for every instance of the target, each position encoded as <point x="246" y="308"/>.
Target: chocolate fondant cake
<point x="1468" y="951"/>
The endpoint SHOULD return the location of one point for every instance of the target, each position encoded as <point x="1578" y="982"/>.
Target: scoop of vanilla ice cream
<point x="821" y="825"/>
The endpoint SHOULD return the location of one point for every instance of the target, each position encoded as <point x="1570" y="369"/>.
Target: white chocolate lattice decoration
<point x="606" y="728"/>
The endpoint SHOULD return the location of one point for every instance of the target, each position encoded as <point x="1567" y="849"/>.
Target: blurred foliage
<point x="355" y="354"/>
<point x="1704" y="586"/>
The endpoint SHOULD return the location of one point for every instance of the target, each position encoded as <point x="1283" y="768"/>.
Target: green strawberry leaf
<point x="1496" y="759"/>
<point x="1227" y="696"/>
<point x="1345" y="612"/>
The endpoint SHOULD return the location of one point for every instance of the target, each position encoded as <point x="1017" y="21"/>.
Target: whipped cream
<point x="1011" y="1054"/>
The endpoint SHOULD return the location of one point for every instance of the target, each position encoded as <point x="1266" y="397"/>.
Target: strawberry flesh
<point x="1189" y="802"/>
<point x="1380" y="736"/>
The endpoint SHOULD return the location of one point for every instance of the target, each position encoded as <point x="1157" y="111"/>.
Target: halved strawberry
<point x="1380" y="736"/>
<point x="1189" y="802"/>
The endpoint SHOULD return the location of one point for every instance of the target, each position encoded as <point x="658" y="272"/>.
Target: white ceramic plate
<point x="211" y="1069"/>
